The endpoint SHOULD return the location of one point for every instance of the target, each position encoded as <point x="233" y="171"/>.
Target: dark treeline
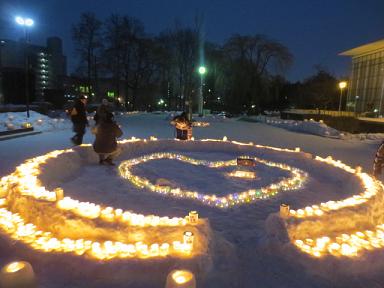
<point x="243" y="74"/>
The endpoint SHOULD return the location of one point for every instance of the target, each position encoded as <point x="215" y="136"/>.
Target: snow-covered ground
<point x="241" y="253"/>
<point x="40" y="122"/>
<point x="311" y="126"/>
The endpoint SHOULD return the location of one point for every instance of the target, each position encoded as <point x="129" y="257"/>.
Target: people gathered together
<point x="106" y="130"/>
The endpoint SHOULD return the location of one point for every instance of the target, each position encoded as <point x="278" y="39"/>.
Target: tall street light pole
<point x="342" y="85"/>
<point x="26" y="23"/>
<point x="202" y="71"/>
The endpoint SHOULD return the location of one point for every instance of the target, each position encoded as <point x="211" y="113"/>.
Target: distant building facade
<point x="366" y="85"/>
<point x="107" y="88"/>
<point x="47" y="69"/>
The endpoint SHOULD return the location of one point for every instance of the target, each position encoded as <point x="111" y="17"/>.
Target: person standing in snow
<point x="182" y="125"/>
<point x="102" y="111"/>
<point x="379" y="160"/>
<point x="79" y="119"/>
<point x="105" y="142"/>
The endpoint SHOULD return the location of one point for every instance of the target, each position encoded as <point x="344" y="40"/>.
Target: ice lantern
<point x="16" y="275"/>
<point x="180" y="279"/>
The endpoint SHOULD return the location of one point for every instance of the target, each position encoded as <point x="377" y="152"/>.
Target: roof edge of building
<point x="364" y="49"/>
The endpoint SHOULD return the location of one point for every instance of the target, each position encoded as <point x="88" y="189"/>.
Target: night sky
<point x="315" y="31"/>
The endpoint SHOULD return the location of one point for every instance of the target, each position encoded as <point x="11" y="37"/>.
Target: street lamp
<point x="342" y="85"/>
<point x="202" y="70"/>
<point x="25" y="23"/>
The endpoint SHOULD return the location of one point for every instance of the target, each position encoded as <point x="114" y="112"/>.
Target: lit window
<point x="111" y="94"/>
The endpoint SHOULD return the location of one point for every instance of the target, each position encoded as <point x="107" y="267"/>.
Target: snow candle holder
<point x="59" y="194"/>
<point x="16" y="275"/>
<point x="284" y="210"/>
<point x="188" y="238"/>
<point x="193" y="217"/>
<point x="180" y="279"/>
<point x="26" y="125"/>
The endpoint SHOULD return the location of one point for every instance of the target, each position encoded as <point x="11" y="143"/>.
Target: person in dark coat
<point x="102" y="111"/>
<point x="79" y="120"/>
<point x="105" y="142"/>
<point x="379" y="160"/>
<point x="182" y="125"/>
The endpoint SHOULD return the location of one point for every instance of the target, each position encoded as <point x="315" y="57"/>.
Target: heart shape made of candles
<point x="296" y="181"/>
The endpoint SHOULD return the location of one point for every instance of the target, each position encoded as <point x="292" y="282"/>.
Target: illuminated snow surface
<point x="241" y="253"/>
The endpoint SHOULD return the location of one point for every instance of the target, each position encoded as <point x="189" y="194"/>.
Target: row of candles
<point x="371" y="188"/>
<point x="26" y="179"/>
<point x="295" y="182"/>
<point x="200" y="124"/>
<point x="242" y="174"/>
<point x="14" y="225"/>
<point x="27" y="183"/>
<point x="348" y="245"/>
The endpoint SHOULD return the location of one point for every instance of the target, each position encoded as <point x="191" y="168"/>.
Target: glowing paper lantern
<point x="26" y="125"/>
<point x="17" y="274"/>
<point x="193" y="217"/>
<point x="188" y="238"/>
<point x="59" y="194"/>
<point x="243" y="174"/>
<point x="180" y="279"/>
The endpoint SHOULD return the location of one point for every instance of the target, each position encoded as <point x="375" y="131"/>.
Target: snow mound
<point x="207" y="118"/>
<point x="308" y="127"/>
<point x="369" y="137"/>
<point x="40" y="122"/>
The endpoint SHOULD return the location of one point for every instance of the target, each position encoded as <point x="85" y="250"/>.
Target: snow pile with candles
<point x="40" y="122"/>
<point x="81" y="224"/>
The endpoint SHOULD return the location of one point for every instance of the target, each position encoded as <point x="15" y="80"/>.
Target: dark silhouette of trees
<point x="251" y="60"/>
<point x="181" y="46"/>
<point x="317" y="91"/>
<point x="88" y="41"/>
<point x="243" y="73"/>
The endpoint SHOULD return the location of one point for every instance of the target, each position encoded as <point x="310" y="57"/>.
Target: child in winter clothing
<point x="379" y="160"/>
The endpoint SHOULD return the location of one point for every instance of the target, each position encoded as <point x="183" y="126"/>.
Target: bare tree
<point x="87" y="37"/>
<point x="183" y="47"/>
<point x="252" y="58"/>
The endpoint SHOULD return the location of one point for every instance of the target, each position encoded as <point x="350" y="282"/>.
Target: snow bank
<point x="308" y="127"/>
<point x="40" y="122"/>
<point x="368" y="137"/>
<point x="208" y="118"/>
